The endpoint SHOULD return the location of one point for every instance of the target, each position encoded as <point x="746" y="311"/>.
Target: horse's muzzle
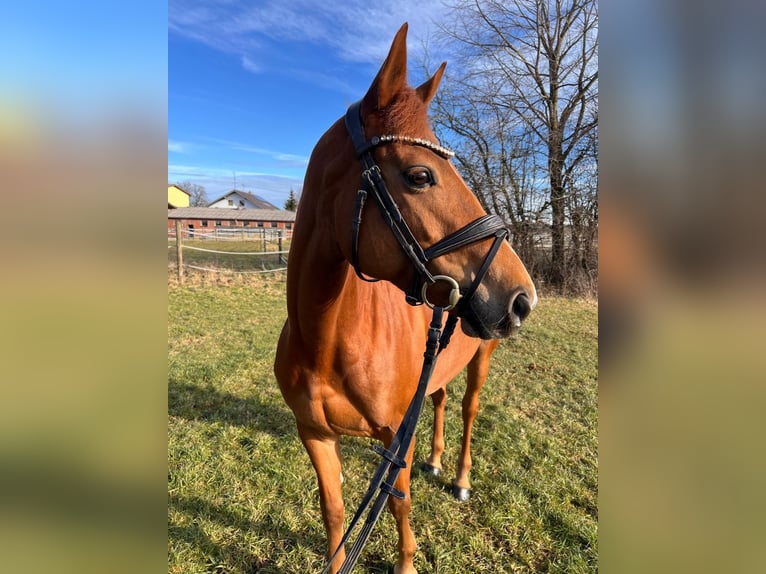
<point x="480" y="319"/>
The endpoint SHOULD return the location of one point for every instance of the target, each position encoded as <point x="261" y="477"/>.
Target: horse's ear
<point x="427" y="89"/>
<point x="392" y="76"/>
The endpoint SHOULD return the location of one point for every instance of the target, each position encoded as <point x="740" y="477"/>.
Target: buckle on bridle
<point x="368" y="174"/>
<point x="454" y="294"/>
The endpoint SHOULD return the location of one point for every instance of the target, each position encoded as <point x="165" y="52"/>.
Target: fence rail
<point x="254" y="251"/>
<point x="234" y="233"/>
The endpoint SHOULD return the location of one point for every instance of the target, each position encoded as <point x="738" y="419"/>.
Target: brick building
<point x="221" y="223"/>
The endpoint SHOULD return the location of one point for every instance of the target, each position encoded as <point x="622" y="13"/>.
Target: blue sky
<point x="253" y="85"/>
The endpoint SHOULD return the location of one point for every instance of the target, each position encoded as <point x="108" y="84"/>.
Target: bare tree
<point x="582" y="210"/>
<point x="197" y="195"/>
<point x="495" y="155"/>
<point x="531" y="66"/>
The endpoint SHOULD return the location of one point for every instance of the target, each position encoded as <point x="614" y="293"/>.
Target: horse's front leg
<point x="477" y="371"/>
<point x="400" y="508"/>
<point x="433" y="464"/>
<point x="325" y="456"/>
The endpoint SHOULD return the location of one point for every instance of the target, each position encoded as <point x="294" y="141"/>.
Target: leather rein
<point x="482" y="228"/>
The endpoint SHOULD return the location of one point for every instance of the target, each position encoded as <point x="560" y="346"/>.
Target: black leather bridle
<point x="373" y="184"/>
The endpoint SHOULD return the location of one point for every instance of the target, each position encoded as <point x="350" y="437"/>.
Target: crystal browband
<point x="436" y="148"/>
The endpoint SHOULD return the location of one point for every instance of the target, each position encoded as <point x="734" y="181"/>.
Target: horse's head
<point x="430" y="225"/>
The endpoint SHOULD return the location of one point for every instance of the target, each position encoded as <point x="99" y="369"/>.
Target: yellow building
<point x="177" y="197"/>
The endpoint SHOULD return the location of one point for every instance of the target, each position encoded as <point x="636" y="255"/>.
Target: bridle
<point x="373" y="184"/>
<point x="382" y="483"/>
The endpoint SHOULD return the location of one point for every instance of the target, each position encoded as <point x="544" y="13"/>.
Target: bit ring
<point x="454" y="295"/>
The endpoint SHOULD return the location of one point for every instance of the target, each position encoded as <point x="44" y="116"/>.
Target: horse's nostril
<point x="521" y="306"/>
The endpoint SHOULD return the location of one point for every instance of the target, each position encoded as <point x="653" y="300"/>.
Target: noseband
<point x="373" y="183"/>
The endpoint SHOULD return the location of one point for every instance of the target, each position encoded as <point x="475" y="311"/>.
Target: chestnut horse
<point x="351" y="351"/>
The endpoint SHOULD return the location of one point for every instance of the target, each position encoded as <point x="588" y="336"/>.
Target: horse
<point x="350" y="352"/>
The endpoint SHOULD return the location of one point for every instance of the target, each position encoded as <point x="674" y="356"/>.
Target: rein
<point x="482" y="228"/>
<point x="394" y="456"/>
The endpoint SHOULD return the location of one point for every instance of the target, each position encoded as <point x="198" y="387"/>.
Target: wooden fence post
<point x="279" y="247"/>
<point x="179" y="252"/>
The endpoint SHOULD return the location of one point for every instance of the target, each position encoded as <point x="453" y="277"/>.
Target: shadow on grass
<point x="204" y="403"/>
<point x="232" y="555"/>
<point x="442" y="482"/>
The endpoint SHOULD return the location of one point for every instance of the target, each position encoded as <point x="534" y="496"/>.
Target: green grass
<point x="243" y="495"/>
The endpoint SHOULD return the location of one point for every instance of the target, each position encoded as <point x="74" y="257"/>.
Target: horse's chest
<point x="372" y="392"/>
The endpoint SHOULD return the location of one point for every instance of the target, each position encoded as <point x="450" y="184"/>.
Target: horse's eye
<point x="418" y="177"/>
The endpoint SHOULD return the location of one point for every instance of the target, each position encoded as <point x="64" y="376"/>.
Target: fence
<point x="237" y="251"/>
<point x="235" y="234"/>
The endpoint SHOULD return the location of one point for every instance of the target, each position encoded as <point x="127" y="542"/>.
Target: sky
<point x="253" y="85"/>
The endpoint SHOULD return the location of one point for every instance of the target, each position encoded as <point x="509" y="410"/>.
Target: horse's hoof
<point x="460" y="493"/>
<point x="431" y="470"/>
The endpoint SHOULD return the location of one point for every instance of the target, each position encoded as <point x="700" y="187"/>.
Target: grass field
<point x="243" y="495"/>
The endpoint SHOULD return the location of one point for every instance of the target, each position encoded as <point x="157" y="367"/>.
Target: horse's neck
<point x="319" y="287"/>
<point x="316" y="283"/>
<point x="322" y="288"/>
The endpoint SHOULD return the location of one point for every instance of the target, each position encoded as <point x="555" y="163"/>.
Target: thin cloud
<point x="333" y="82"/>
<point x="249" y="65"/>
<point x="357" y="31"/>
<point x="283" y="157"/>
<point x="178" y="147"/>
<point x="190" y="170"/>
<point x="224" y="174"/>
